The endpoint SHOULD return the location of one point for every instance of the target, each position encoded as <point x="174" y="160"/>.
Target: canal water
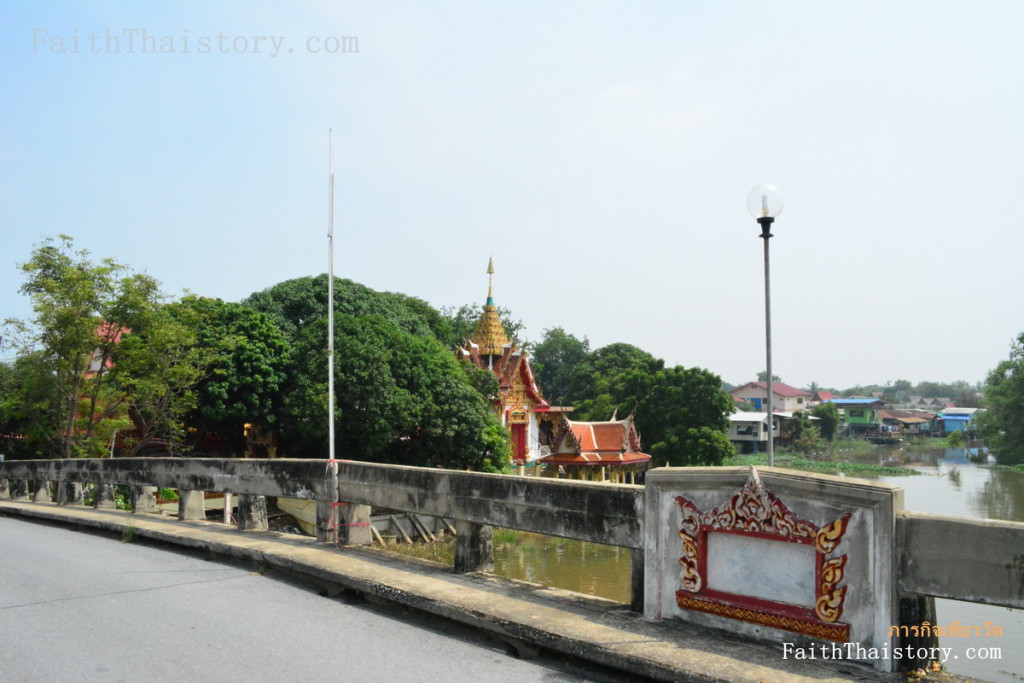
<point x="950" y="484"/>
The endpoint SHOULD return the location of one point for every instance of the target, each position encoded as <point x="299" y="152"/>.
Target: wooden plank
<point x="376" y="535"/>
<point x="398" y="527"/>
<point x="448" y="525"/>
<point x="426" y="533"/>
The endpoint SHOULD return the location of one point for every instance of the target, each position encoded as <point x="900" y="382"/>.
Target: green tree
<point x="1002" y="424"/>
<point x="28" y="408"/>
<point x="828" y="419"/>
<point x="81" y="312"/>
<point x="554" y="360"/>
<point x="246" y="359"/>
<point x="684" y="417"/>
<point x="681" y="413"/>
<point x="763" y="377"/>
<point x="401" y="398"/>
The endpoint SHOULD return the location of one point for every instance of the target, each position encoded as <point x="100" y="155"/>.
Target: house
<point x="953" y="419"/>
<point x="749" y="430"/>
<point x="784" y="397"/>
<point x="909" y="422"/>
<point x="860" y="415"/>
<point x="596" y="451"/>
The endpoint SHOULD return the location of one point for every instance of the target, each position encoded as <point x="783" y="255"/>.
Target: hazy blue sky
<point x="602" y="152"/>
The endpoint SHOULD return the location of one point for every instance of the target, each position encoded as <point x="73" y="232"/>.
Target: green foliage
<point x="681" y="413"/>
<point x="28" y="407"/>
<point x="955" y="440"/>
<point x="554" y="360"/>
<point x="763" y="377"/>
<point x="81" y="310"/>
<point x="1002" y="424"/>
<point x="828" y="419"/>
<point x="246" y="359"/>
<point x="401" y="398"/>
<point x="803" y="435"/>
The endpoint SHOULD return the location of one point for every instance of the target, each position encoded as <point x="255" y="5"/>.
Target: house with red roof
<point x="784" y="397"/>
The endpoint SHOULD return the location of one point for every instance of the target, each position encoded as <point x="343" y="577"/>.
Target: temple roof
<point x="489" y="334"/>
<point x="598" y="443"/>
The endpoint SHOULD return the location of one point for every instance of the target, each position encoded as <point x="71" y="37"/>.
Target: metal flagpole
<point x="330" y="298"/>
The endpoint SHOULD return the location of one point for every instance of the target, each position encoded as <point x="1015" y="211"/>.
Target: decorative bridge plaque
<point x="752" y="559"/>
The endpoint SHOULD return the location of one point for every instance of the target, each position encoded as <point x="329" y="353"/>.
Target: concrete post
<point x="323" y="521"/>
<point x="19" y="490"/>
<point x="42" y="493"/>
<point x="5" y="492"/>
<point x="914" y="611"/>
<point x="252" y="513"/>
<point x="103" y="497"/>
<point x="354" y="525"/>
<point x="190" y="506"/>
<point x="144" y="499"/>
<point x="474" y="547"/>
<point x="70" y="493"/>
<point x="636" y="580"/>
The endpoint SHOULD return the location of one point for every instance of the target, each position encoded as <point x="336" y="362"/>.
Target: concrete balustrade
<point x="893" y="561"/>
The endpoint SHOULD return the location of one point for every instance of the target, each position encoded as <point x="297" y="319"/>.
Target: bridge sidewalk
<point x="525" y="615"/>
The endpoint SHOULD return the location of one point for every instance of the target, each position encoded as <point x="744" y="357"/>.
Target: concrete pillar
<point x="190" y="506"/>
<point x="19" y="490"/>
<point x="70" y="493"/>
<point x="354" y="524"/>
<point x="636" y="580"/>
<point x="474" y="547"/>
<point x="252" y="513"/>
<point x="324" y="531"/>
<point x="103" y="497"/>
<point x="42" y="493"/>
<point x="914" y="611"/>
<point x="5" y="492"/>
<point x="144" y="499"/>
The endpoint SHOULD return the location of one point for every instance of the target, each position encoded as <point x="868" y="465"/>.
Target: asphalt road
<point x="79" y="607"/>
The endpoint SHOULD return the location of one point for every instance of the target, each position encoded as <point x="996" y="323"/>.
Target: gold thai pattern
<point x="756" y="510"/>
<point x="839" y="633"/>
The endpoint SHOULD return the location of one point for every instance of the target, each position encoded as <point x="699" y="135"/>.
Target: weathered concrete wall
<point x="602" y="513"/>
<point x="977" y="560"/>
<point x="290" y="478"/>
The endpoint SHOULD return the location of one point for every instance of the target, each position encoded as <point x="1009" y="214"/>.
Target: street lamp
<point x="765" y="203"/>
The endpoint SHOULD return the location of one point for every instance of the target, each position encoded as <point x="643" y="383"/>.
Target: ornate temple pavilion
<point x="541" y="433"/>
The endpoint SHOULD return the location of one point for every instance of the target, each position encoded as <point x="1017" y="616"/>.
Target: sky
<point x="600" y="152"/>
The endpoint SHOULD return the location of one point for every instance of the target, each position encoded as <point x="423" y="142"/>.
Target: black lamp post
<point x="765" y="203"/>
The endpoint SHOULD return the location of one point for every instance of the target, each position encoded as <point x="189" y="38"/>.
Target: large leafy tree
<point x="1002" y="425"/>
<point x="554" y="359"/>
<point x="28" y="407"/>
<point x="401" y="398"/>
<point x="246" y="358"/>
<point x="82" y="310"/>
<point x="681" y="413"/>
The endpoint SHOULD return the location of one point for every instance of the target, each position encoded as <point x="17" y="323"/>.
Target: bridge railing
<point x="611" y="514"/>
<point x="937" y="556"/>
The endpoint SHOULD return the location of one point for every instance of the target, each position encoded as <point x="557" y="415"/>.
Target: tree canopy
<point x="681" y="413"/>
<point x="554" y="359"/>
<point x="1002" y="424"/>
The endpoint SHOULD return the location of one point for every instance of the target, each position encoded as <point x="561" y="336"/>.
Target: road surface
<point x="80" y="607"/>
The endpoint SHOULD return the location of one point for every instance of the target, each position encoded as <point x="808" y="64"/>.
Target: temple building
<point x="542" y="434"/>
<point x="521" y="407"/>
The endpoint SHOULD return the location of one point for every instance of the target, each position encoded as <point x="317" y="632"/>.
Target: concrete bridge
<point x="736" y="572"/>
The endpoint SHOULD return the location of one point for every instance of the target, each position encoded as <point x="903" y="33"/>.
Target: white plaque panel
<point x="761" y="568"/>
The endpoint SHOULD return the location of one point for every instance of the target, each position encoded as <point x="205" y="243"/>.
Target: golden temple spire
<point x="490" y="281"/>
<point x="489" y="334"/>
